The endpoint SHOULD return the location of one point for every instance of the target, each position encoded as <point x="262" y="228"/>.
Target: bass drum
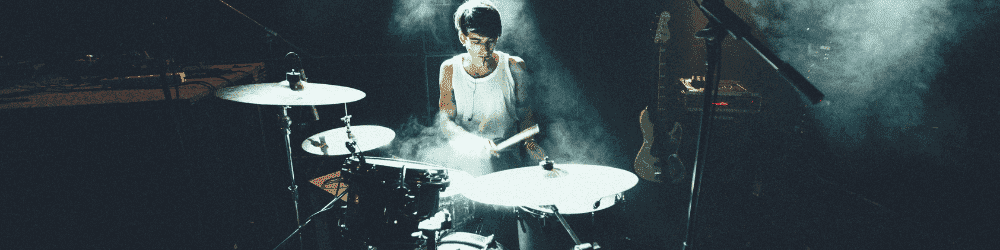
<point x="388" y="198"/>
<point x="539" y="229"/>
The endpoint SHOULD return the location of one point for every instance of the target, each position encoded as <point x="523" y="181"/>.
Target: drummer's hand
<point x="492" y="148"/>
<point x="534" y="150"/>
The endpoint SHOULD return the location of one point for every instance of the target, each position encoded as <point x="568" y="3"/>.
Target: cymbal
<point x="280" y="93"/>
<point x="564" y="184"/>
<point x="332" y="142"/>
<point x="459" y="179"/>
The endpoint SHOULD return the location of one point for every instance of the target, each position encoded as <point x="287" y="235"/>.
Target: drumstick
<point x="518" y="137"/>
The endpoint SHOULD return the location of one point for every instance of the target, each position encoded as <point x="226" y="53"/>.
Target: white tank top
<point x="485" y="106"/>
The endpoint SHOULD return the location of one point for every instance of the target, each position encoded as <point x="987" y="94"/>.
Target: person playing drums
<point x="484" y="98"/>
<point x="484" y="93"/>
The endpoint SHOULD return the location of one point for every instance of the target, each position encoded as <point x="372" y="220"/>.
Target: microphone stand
<point x="268" y="30"/>
<point x="722" y="22"/>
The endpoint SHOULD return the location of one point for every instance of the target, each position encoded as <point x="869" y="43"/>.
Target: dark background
<point x="211" y="175"/>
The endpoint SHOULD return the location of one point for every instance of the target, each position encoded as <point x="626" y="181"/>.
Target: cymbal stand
<point x="352" y="143"/>
<point x="548" y="165"/>
<point x="287" y="126"/>
<point x="576" y="240"/>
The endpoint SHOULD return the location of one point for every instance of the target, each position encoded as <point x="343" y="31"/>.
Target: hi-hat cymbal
<point x="535" y="186"/>
<point x="332" y="142"/>
<point x="280" y="93"/>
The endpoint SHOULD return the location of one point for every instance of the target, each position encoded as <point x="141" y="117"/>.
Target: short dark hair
<point x="478" y="16"/>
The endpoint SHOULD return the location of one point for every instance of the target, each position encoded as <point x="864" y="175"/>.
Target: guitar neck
<point x="668" y="94"/>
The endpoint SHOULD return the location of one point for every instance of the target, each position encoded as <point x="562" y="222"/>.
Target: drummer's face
<point x="477" y="45"/>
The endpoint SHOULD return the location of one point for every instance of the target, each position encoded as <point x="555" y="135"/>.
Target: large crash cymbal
<point x="535" y="186"/>
<point x="332" y="142"/>
<point x="460" y="180"/>
<point x="280" y="93"/>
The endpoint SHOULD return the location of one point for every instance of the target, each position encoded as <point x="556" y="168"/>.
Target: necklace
<point x="474" y="88"/>
<point x="474" y="71"/>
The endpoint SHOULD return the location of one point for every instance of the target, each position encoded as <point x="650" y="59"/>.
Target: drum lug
<point x="544" y="219"/>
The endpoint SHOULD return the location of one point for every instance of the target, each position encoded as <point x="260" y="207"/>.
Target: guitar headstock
<point x="662" y="31"/>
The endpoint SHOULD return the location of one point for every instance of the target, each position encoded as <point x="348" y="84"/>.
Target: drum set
<point x="401" y="204"/>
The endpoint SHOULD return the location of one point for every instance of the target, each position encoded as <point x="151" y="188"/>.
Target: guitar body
<point x="648" y="165"/>
<point x="645" y="163"/>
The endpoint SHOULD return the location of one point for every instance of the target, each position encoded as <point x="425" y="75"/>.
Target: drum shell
<point x="382" y="210"/>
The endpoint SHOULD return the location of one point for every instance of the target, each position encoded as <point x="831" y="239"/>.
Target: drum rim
<point x="421" y="165"/>
<point x="616" y="200"/>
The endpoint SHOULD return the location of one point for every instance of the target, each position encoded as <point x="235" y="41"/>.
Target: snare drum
<point x="389" y="197"/>
<point x="539" y="229"/>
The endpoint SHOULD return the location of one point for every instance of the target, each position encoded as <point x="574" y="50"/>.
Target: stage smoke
<point x="430" y="143"/>
<point x="874" y="59"/>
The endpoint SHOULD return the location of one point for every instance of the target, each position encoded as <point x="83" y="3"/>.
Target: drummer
<point x="484" y="93"/>
<point x="484" y="99"/>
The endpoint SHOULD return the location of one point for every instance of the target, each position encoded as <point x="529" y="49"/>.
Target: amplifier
<point x="731" y="97"/>
<point x="143" y="81"/>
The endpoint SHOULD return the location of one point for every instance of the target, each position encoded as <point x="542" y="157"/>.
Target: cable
<point x="308" y="219"/>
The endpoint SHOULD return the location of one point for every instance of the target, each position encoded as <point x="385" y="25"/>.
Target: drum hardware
<point x="309" y="219"/>
<point x="431" y="226"/>
<point x="548" y="165"/>
<point x="579" y="244"/>
<point x="291" y="92"/>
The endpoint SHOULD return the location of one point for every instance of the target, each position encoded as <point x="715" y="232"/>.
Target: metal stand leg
<point x="291" y="169"/>
<point x="576" y="240"/>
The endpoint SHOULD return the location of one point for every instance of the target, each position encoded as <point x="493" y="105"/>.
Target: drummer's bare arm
<point x="446" y="102"/>
<point x="446" y="111"/>
<point x="519" y="70"/>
